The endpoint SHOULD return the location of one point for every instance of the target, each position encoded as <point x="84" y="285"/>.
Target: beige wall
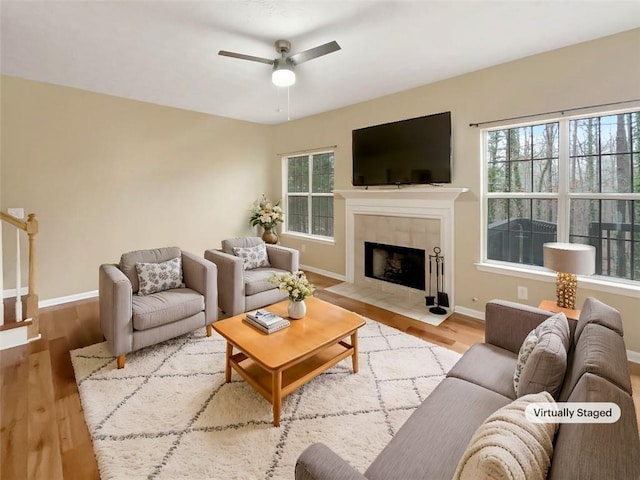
<point x="107" y="175"/>
<point x="576" y="76"/>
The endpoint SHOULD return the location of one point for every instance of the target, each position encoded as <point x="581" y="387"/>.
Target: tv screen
<point x="413" y="151"/>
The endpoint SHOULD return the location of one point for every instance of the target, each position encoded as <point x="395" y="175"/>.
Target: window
<point x="573" y="180"/>
<point x="309" y="194"/>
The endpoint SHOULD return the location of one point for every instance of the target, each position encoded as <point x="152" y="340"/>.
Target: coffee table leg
<point x="227" y="363"/>
<point x="354" y="357"/>
<point x="277" y="396"/>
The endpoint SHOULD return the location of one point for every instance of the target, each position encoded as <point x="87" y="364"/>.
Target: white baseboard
<point x="69" y="298"/>
<point x="13" y="337"/>
<point x="633" y="356"/>
<point x="326" y="273"/>
<point x="477" y="314"/>
<point x="11" y="292"/>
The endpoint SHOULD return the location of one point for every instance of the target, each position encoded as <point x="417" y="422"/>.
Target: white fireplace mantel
<point x="412" y="202"/>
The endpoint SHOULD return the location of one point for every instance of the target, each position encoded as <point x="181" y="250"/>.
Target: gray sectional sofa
<point x="434" y="438"/>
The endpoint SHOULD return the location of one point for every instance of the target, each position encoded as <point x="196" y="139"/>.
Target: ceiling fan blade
<point x="242" y="56"/>
<point x="315" y="52"/>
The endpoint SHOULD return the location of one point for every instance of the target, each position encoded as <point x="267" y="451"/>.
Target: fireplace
<point x="395" y="264"/>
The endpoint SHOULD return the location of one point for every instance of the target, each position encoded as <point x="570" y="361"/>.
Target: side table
<point x="553" y="307"/>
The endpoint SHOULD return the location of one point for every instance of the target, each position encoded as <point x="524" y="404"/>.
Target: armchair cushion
<point x="252" y="257"/>
<point x="156" y="277"/>
<point x="257" y="280"/>
<point x="242" y="242"/>
<point x="161" y="308"/>
<point x="128" y="261"/>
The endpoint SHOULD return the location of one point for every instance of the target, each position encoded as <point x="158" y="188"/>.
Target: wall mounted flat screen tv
<point x="413" y="151"/>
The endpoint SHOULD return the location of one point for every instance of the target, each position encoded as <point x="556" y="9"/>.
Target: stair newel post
<point x="32" y="297"/>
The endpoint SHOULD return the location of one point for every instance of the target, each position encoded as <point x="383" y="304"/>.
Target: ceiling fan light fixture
<point x="283" y="75"/>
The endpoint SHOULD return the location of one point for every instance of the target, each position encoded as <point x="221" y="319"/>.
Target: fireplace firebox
<point x="395" y="264"/>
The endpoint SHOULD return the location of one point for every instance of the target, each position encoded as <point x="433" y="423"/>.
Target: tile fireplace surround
<point x="416" y="217"/>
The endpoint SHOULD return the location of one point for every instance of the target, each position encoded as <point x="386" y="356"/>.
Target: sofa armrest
<point x="508" y="323"/>
<point x="115" y="298"/>
<point x="283" y="258"/>
<point x="319" y="462"/>
<point x="230" y="281"/>
<point x="201" y="275"/>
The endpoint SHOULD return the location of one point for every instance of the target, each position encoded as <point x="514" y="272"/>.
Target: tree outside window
<point x="573" y="180"/>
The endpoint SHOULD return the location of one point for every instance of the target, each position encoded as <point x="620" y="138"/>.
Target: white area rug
<point x="410" y="305"/>
<point x="168" y="414"/>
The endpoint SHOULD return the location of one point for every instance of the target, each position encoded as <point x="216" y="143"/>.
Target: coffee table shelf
<point x="278" y="364"/>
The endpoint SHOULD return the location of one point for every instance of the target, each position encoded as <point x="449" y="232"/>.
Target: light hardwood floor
<point x="43" y="433"/>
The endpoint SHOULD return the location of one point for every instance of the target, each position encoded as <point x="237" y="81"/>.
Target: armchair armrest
<point x="508" y="323"/>
<point x="115" y="294"/>
<point x="319" y="462"/>
<point x="201" y="275"/>
<point x="283" y="258"/>
<point x="230" y="279"/>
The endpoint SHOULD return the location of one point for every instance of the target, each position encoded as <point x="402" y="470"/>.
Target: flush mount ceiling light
<point x="283" y="74"/>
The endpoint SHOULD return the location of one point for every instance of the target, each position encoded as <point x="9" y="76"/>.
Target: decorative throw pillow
<point x="253" y="257"/>
<point x="507" y="446"/>
<point x="546" y="366"/>
<point x="156" y="277"/>
<point x="525" y="350"/>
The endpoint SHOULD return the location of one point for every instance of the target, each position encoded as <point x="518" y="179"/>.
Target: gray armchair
<point x="130" y="322"/>
<point x="241" y="290"/>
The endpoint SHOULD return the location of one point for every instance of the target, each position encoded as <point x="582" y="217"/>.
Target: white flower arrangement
<point x="266" y="214"/>
<point x="294" y="284"/>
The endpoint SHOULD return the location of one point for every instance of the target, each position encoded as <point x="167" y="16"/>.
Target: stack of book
<point x="266" y="321"/>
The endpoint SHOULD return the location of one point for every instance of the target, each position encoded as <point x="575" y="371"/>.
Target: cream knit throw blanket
<point x="509" y="447"/>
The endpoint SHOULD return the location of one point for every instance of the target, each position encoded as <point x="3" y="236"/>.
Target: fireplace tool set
<point x="441" y="299"/>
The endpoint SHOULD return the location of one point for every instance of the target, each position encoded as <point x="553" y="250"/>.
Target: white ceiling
<point x="165" y="52"/>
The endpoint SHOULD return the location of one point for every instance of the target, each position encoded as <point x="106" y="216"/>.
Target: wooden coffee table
<point x="279" y="363"/>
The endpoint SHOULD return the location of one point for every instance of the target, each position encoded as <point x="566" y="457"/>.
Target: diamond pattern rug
<point x="168" y="414"/>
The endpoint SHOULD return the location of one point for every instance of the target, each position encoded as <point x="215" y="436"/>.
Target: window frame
<point x="310" y="194"/>
<point x="563" y="196"/>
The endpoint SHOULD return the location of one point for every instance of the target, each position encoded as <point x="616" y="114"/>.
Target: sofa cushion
<point x="489" y="366"/>
<point x="523" y="355"/>
<point x="433" y="439"/>
<point x="253" y="257"/>
<point x="128" y="261"/>
<point x="257" y="280"/>
<point x="508" y="446"/>
<point x="595" y="451"/>
<point x="156" y="277"/>
<point x="241" y="242"/>
<point x="599" y="351"/>
<point x="545" y="368"/>
<point x="165" y="307"/>
<point x="596" y="312"/>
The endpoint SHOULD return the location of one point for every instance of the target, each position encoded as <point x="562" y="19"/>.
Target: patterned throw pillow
<point x="525" y="350"/>
<point x="253" y="257"/>
<point x="156" y="277"/>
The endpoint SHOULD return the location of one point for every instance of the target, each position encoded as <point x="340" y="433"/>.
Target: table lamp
<point x="569" y="260"/>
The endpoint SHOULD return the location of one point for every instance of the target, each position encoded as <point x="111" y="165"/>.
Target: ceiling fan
<point x="283" y="68"/>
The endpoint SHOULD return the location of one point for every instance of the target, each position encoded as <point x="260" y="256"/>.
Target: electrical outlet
<point x="16" y="212"/>
<point x="523" y="293"/>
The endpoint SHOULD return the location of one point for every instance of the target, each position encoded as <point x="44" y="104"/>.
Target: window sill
<point x="310" y="238"/>
<point x="602" y="284"/>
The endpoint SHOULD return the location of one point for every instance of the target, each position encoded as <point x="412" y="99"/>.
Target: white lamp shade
<point x="573" y="258"/>
<point x="283" y="77"/>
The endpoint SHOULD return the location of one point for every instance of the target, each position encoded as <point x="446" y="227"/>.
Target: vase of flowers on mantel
<point x="267" y="215"/>
<point x="297" y="288"/>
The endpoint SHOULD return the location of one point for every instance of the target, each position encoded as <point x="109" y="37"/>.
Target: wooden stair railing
<point x="30" y="226"/>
